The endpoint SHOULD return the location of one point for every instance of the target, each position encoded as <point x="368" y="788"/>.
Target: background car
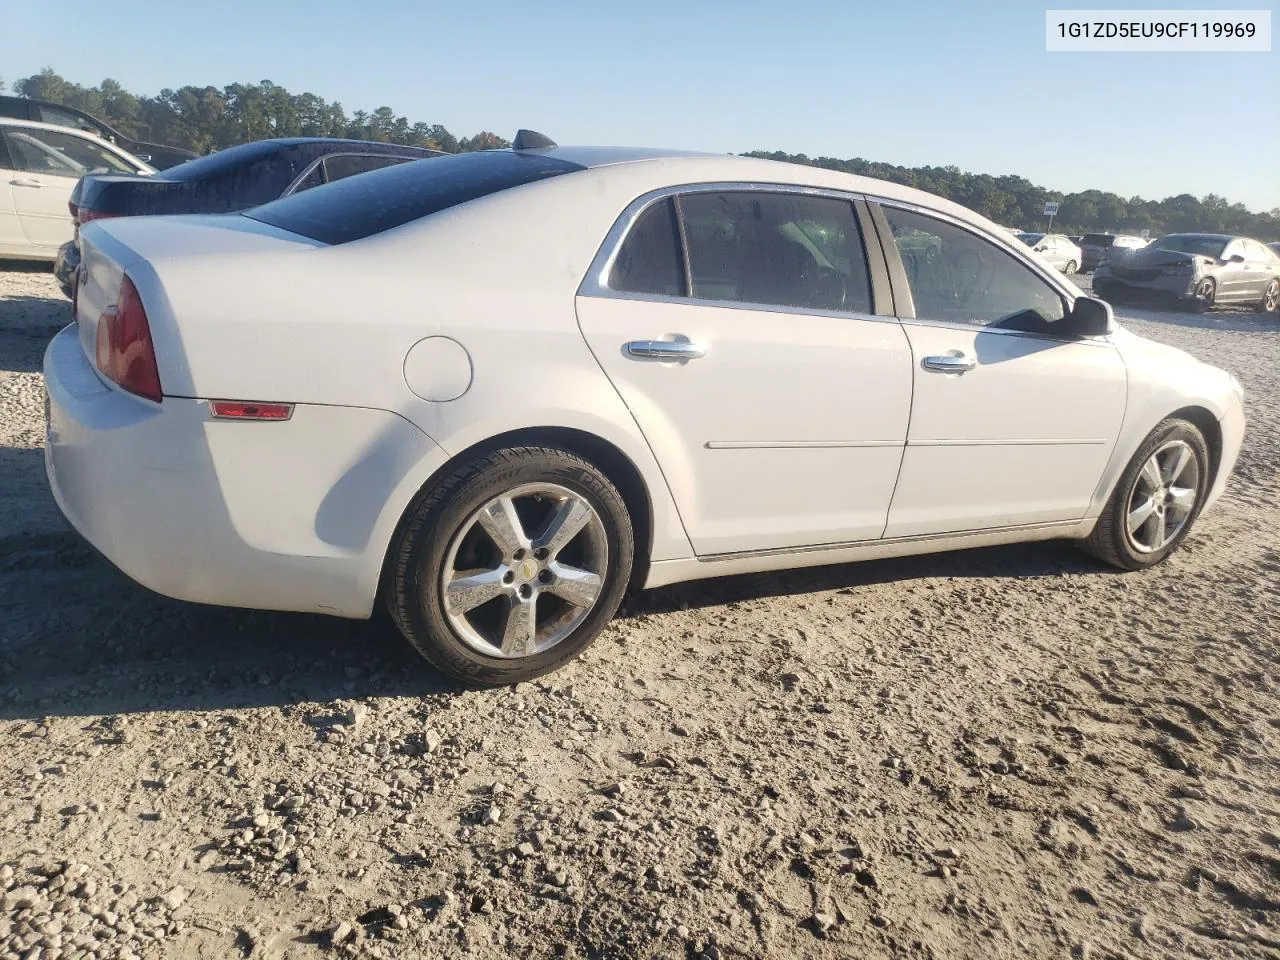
<point x="1274" y="248"/>
<point x="1199" y="270"/>
<point x="155" y="155"/>
<point x="1055" y="248"/>
<point x="495" y="390"/>
<point x="233" y="179"/>
<point x="40" y="166"/>
<point x="1096" y="247"/>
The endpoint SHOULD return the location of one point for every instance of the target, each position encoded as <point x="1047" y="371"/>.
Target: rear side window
<point x="649" y="260"/>
<point x="341" y="166"/>
<point x="360" y="207"/>
<point x="776" y="249"/>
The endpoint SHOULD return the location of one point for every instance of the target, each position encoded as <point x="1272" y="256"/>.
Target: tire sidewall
<point x="428" y="627"/>
<point x="1171" y="430"/>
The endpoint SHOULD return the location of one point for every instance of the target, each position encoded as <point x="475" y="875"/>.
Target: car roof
<point x="1204" y="236"/>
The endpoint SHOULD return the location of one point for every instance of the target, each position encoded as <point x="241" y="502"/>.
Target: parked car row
<point x="323" y="403"/>
<point x="155" y="155"/>
<point x="1196" y="270"/>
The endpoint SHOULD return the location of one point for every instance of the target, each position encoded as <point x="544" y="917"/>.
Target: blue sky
<point x="905" y="82"/>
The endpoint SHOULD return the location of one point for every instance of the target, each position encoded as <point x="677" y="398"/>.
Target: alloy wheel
<point x="524" y="570"/>
<point x="1163" y="497"/>
<point x="1204" y="294"/>
<point x="1271" y="300"/>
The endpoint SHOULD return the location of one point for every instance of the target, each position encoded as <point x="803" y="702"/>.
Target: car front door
<point x="1011" y="423"/>
<point x="740" y="328"/>
<point x="47" y="164"/>
<point x="1258" y="270"/>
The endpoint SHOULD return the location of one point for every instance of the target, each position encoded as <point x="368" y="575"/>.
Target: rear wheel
<point x="1156" y="501"/>
<point x="511" y="565"/>
<point x="1270" y="302"/>
<point x="1205" y="294"/>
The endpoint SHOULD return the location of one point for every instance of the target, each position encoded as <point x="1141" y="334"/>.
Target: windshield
<point x="1193" y="243"/>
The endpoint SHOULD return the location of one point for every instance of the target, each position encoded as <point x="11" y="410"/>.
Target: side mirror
<point x="1234" y="258"/>
<point x="1040" y="249"/>
<point x="1089" y="317"/>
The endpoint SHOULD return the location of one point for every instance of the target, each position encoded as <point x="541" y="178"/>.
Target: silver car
<point x="1055" y="248"/>
<point x="1096" y="247"/>
<point x="1199" y="270"/>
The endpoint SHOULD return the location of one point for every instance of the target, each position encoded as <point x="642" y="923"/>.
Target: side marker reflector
<point x="248" y="410"/>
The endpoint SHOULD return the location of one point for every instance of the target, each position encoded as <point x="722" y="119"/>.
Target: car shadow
<point x="78" y="638"/>
<point x="27" y="324"/>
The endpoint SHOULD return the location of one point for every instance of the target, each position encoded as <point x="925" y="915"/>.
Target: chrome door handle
<point x="665" y="349"/>
<point x="26" y="182"/>
<point x="949" y="363"/>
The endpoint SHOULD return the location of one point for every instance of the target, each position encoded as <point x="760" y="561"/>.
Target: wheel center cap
<point x="527" y="570"/>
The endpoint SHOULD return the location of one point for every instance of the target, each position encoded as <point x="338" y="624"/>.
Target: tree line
<point x="208" y="118"/>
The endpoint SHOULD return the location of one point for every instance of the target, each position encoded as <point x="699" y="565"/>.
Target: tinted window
<point x="956" y="276"/>
<point x="359" y="207"/>
<point x="314" y="178"/>
<point x="1192" y="243"/>
<point x="65" y="118"/>
<point x="777" y="249"/>
<point x="341" y="166"/>
<point x="60" y="154"/>
<point x="1097" y="239"/>
<point x="224" y="161"/>
<point x="649" y="260"/>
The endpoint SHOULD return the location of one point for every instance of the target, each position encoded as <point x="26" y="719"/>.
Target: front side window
<point x="649" y="259"/>
<point x="60" y="154"/>
<point x="776" y="249"/>
<point x="1255" y="252"/>
<point x="958" y="277"/>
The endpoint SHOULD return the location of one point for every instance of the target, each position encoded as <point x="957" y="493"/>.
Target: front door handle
<point x="26" y="182"/>
<point x="665" y="349"/>
<point x="949" y="363"/>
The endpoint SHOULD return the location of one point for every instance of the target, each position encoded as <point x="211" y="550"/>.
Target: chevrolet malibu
<point x="494" y="391"/>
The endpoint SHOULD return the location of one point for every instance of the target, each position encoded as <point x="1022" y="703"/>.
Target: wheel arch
<point x="612" y="462"/>
<point x="1208" y="425"/>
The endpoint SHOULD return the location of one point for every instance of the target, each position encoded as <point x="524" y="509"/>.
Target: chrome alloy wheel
<point x="1163" y="497"/>
<point x="511" y="593"/>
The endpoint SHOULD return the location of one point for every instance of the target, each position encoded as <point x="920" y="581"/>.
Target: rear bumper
<point x="294" y="515"/>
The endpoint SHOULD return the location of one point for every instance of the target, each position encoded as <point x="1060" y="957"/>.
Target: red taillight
<point x="126" y="354"/>
<point x="75" y="211"/>
<point x="84" y="214"/>
<point x="248" y="410"/>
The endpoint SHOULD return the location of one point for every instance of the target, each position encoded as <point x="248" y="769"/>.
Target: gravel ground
<point x="1003" y="753"/>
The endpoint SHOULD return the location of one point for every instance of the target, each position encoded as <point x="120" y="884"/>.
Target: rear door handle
<point x="949" y="363"/>
<point x="26" y="182"/>
<point x="665" y="349"/>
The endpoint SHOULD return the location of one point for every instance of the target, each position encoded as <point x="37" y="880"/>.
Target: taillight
<point x="126" y="354"/>
<point x="84" y="215"/>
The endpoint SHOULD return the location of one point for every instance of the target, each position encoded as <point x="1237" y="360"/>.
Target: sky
<point x="911" y="83"/>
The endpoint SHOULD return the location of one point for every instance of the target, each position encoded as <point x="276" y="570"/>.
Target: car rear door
<point x="751" y="337"/>
<point x="12" y="239"/>
<point x="1011" y="423"/>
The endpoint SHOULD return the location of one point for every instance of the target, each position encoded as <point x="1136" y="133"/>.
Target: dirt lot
<point x="998" y="753"/>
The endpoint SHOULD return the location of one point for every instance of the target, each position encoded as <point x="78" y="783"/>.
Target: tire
<point x="1270" y="302"/>
<point x="1071" y="268"/>
<point x="1111" y="540"/>
<point x="447" y="529"/>
<point x="1205" y="295"/>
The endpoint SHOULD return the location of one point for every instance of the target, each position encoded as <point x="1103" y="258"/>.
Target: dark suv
<point x="154" y="154"/>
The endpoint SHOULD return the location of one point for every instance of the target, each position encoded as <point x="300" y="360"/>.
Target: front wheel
<point x="510" y="565"/>
<point x="1205" y="294"/>
<point x="1270" y="302"/>
<point x="1156" y="501"/>
<point x="1071" y="268"/>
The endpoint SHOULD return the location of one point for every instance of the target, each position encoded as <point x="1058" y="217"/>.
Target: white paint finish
<point x="438" y="369"/>
<point x="221" y="512"/>
<point x="805" y="421"/>
<point x="762" y="439"/>
<point x="677" y="571"/>
<point x="35" y="218"/>
<point x="1020" y="438"/>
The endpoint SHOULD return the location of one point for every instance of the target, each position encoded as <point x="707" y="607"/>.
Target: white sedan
<point x="496" y="390"/>
<point x="40" y="165"/>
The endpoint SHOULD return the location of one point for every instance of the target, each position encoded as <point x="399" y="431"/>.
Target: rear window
<point x="216" y="164"/>
<point x="1098" y="239"/>
<point x="362" y="206"/>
